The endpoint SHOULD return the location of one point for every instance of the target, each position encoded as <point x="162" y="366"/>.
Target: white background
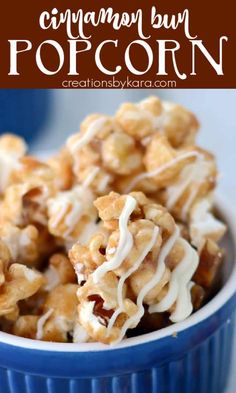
<point x="215" y="108"/>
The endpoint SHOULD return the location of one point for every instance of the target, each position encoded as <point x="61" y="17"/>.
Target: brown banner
<point x="101" y="44"/>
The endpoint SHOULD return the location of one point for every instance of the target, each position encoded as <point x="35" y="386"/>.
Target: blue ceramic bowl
<point x="24" y="111"/>
<point x="188" y="357"/>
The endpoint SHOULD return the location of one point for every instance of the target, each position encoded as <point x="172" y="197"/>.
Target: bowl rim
<point x="227" y="291"/>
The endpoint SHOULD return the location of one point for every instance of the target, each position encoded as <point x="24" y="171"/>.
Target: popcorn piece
<point x="34" y="171"/>
<point x="181" y="127"/>
<point x="70" y="211"/>
<point x="4" y="261"/>
<point x="22" y="243"/>
<point x="144" y="275"/>
<point x="97" y="178"/>
<point x="20" y="283"/>
<point x="151" y="115"/>
<point x="61" y="165"/>
<point x="33" y="326"/>
<point x="60" y="323"/>
<point x="110" y="208"/>
<point x="57" y="319"/>
<point x="203" y="225"/>
<point x="34" y="304"/>
<point x="195" y="181"/>
<point x="2" y="275"/>
<point x="142" y="119"/>
<point x="159" y="215"/>
<point x="84" y="259"/>
<point x="26" y="326"/>
<point x="141" y="182"/>
<point x="98" y="303"/>
<point x="103" y="148"/>
<point x="59" y="271"/>
<point x="120" y="155"/>
<point x="84" y="146"/>
<point x="13" y="145"/>
<point x="29" y="205"/>
<point x="211" y="259"/>
<point x="47" y="244"/>
<point x="159" y="153"/>
<point x="32" y="185"/>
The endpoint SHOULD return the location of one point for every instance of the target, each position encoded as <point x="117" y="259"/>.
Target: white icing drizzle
<point x="127" y="274"/>
<point x="69" y="206"/>
<point x="16" y="239"/>
<point x="161" y="169"/>
<point x="58" y="209"/>
<point x="179" y="291"/>
<point x="75" y="213"/>
<point x="92" y="130"/>
<point x="174" y="192"/>
<point x="52" y="277"/>
<point x="193" y="173"/>
<point x="150" y="284"/>
<point x="125" y="241"/>
<point x="183" y="306"/>
<point x="75" y="200"/>
<point x="41" y="322"/>
<point x="104" y="183"/>
<point x="187" y="205"/>
<point x="90" y="178"/>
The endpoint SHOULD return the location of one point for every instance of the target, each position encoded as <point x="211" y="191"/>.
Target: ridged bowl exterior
<point x="197" y="360"/>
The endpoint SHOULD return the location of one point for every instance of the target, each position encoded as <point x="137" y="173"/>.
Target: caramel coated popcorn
<point x="69" y="212"/>
<point x="149" y="147"/>
<point x="20" y="283"/>
<point x="59" y="271"/>
<point x="21" y="242"/>
<point x="144" y="263"/>
<point x="153" y="115"/>
<point x="114" y="235"/>
<point x="57" y="318"/>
